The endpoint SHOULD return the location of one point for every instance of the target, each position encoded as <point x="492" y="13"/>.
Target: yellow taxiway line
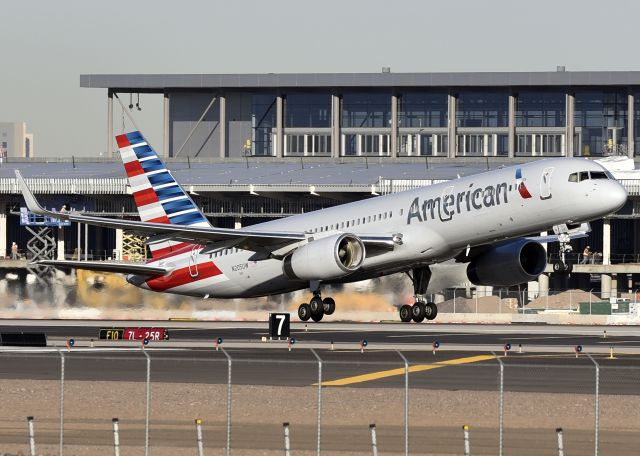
<point x="400" y="371"/>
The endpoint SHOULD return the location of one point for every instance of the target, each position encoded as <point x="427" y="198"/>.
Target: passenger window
<point x="598" y="175"/>
<point x="390" y="214"/>
<point x="401" y="212"/>
<point x="573" y="177"/>
<point x="347" y="224"/>
<point x="369" y="219"/>
<point x="584" y="175"/>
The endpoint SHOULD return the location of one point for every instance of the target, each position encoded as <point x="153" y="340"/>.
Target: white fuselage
<point x="435" y="222"/>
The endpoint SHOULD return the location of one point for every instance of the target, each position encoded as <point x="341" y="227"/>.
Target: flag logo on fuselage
<point x="520" y="183"/>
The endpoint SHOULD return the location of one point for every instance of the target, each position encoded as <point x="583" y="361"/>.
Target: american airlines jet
<point x="485" y="220"/>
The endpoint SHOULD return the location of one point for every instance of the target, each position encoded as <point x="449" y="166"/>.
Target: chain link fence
<point x="235" y="401"/>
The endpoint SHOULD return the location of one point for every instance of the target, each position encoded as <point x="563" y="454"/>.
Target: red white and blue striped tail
<point x="158" y="197"/>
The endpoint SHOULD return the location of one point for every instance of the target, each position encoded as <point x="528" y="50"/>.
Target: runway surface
<point x="190" y="355"/>
<point x="396" y="334"/>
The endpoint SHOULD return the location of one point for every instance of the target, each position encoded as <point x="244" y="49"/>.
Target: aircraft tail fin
<point x="158" y="197"/>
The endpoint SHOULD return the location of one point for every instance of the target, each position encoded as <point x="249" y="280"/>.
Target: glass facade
<point x="263" y="123"/>
<point x="307" y="110"/>
<point x="601" y="122"/>
<point x="366" y="110"/>
<point x="538" y="108"/>
<point x="423" y="109"/>
<point x="488" y="108"/>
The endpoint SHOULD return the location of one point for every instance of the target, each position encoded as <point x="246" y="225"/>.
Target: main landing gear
<point x="422" y="309"/>
<point x="317" y="308"/>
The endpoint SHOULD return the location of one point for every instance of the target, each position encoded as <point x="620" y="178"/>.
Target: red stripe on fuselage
<point x="133" y="168"/>
<point x="183" y="276"/>
<point x="173" y="250"/>
<point x="144" y="197"/>
<point x="123" y="141"/>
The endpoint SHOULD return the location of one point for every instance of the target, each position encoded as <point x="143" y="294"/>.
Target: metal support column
<point x="3" y="231"/>
<point x="109" y="123"/>
<point x="222" y="126"/>
<point x="606" y="241"/>
<point x="631" y="119"/>
<point x="60" y="244"/>
<point x="452" y="103"/>
<point x="279" y="126"/>
<point x="336" y="115"/>
<point x="119" y="244"/>
<point x="166" y="137"/>
<point x="570" y="123"/>
<point x="512" y="125"/>
<point x="86" y="241"/>
<point x="394" y="125"/>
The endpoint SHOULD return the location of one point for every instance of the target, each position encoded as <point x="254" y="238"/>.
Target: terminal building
<point x="534" y="114"/>
<point x="250" y="147"/>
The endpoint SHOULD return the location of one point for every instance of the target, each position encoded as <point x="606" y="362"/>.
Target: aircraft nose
<point x="616" y="196"/>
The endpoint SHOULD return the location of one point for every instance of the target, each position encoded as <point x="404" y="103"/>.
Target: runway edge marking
<point x="400" y="371"/>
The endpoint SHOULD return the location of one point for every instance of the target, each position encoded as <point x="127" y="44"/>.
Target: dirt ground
<point x="435" y="418"/>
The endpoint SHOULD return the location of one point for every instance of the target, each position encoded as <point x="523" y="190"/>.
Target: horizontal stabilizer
<point x="109" y="266"/>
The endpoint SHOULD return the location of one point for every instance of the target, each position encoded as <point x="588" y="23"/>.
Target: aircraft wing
<point x="160" y="232"/>
<point x="109" y="266"/>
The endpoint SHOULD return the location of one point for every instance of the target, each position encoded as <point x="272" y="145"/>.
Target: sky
<point x="45" y="46"/>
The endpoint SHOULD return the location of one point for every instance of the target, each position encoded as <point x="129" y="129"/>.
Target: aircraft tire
<point x="558" y="266"/>
<point x="304" y="312"/>
<point x="431" y="310"/>
<point x="317" y="317"/>
<point x="418" y="312"/>
<point x="405" y="313"/>
<point x="316" y="306"/>
<point x="328" y="306"/>
<point x="568" y="267"/>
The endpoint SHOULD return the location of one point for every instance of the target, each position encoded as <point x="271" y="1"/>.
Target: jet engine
<point x="326" y="258"/>
<point x="508" y="264"/>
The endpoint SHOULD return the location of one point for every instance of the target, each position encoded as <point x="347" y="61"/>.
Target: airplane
<point x="492" y="221"/>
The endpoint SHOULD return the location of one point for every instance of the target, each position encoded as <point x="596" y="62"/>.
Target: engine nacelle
<point x="508" y="264"/>
<point x="326" y="258"/>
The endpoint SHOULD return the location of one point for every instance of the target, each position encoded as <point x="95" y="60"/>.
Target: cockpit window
<point x="585" y="175"/>
<point x="599" y="175"/>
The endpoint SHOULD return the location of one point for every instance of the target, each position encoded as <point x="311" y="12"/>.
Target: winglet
<point x="32" y="202"/>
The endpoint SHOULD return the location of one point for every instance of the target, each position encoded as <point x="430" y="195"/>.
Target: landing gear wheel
<point x="328" y="305"/>
<point x="316" y="306"/>
<point x="431" y="310"/>
<point x="405" y="313"/>
<point x="418" y="312"/>
<point x="304" y="312"/>
<point x="317" y="317"/>
<point x="568" y="268"/>
<point x="558" y="266"/>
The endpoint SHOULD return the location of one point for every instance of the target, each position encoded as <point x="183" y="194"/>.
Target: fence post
<point x="501" y="415"/>
<point x="467" y="446"/>
<point x="228" y="401"/>
<point x="32" y="437"/>
<point x="287" y="442"/>
<point x="406" y="403"/>
<point x="61" y="402"/>
<point x="319" y="397"/>
<point x="199" y="437"/>
<point x="116" y="436"/>
<point x="148" y="404"/>
<point x="374" y="440"/>
<point x="560" y="442"/>
<point x="597" y="411"/>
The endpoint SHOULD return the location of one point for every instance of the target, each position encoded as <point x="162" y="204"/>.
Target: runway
<point x="395" y="334"/>
<point x="541" y="359"/>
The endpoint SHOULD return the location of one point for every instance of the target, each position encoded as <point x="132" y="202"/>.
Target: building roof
<point x="158" y="82"/>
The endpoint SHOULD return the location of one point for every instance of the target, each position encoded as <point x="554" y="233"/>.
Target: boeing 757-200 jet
<point x="487" y="220"/>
